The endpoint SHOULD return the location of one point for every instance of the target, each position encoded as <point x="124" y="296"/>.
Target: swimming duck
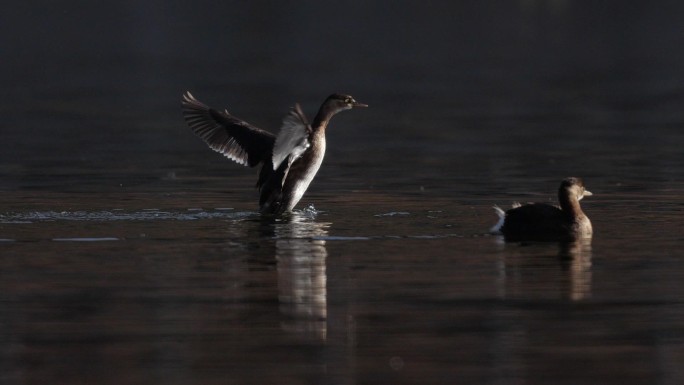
<point x="541" y="221"/>
<point x="290" y="160"/>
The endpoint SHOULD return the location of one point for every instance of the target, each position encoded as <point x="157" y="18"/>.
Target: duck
<point x="545" y="222"/>
<point x="290" y="159"/>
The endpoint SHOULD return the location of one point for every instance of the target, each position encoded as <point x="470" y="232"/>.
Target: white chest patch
<point x="302" y="185"/>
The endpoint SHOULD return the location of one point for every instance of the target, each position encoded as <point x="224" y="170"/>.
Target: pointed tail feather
<point x="496" y="229"/>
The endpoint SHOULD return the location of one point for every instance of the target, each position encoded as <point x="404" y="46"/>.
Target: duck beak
<point x="587" y="193"/>
<point x="357" y="104"/>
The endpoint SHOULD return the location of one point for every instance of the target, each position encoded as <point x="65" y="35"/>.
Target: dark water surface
<point x="130" y="253"/>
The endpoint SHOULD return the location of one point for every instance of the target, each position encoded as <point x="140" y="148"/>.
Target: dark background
<point x="95" y="86"/>
<point x="131" y="253"/>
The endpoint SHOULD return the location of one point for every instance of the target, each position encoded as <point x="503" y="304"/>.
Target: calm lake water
<point x="131" y="253"/>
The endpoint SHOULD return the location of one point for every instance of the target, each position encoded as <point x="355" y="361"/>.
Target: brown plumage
<point x="544" y="222"/>
<point x="289" y="160"/>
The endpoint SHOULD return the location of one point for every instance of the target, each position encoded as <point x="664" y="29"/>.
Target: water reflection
<point x="575" y="258"/>
<point x="302" y="281"/>
<point x="527" y="267"/>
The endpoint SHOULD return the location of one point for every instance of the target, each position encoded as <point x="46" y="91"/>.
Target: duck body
<point x="286" y="186"/>
<point x="289" y="160"/>
<point x="545" y="222"/>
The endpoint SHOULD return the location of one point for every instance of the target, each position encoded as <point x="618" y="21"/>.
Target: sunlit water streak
<point x="86" y="239"/>
<point x="197" y="214"/>
<point x="121" y="215"/>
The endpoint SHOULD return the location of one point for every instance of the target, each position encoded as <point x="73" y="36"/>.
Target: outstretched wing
<point x="293" y="138"/>
<point x="224" y="133"/>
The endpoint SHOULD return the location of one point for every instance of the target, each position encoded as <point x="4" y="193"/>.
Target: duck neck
<point x="325" y="113"/>
<point x="569" y="204"/>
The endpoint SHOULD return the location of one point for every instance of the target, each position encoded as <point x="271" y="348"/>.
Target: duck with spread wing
<point x="289" y="160"/>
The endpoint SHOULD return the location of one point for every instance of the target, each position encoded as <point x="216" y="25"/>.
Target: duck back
<point x="536" y="221"/>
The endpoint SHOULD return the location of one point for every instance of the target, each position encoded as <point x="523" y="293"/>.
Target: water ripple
<point x="393" y="214"/>
<point x="119" y="215"/>
<point x="86" y="239"/>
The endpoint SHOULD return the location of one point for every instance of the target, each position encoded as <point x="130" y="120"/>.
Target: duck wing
<point x="224" y="133"/>
<point x="293" y="138"/>
<point x="534" y="221"/>
<point x="292" y="141"/>
<point x="533" y="215"/>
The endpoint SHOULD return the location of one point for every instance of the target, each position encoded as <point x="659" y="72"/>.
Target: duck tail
<point x="496" y="229"/>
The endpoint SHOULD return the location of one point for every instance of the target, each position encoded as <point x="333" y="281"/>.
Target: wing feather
<point x="224" y="133"/>
<point x="293" y="138"/>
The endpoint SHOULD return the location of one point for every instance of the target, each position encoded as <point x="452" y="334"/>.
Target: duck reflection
<point x="301" y="266"/>
<point x="575" y="258"/>
<point x="527" y="269"/>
